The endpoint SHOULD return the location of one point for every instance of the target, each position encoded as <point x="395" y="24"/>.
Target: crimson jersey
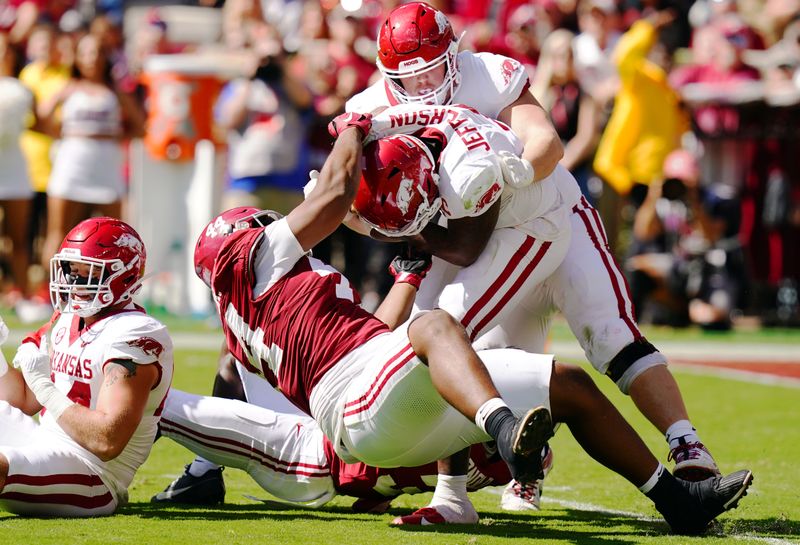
<point x="362" y="481"/>
<point x="303" y="321"/>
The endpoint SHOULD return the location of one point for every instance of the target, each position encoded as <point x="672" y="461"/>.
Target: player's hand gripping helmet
<point x="210" y="240"/>
<point x="398" y="193"/>
<point x="100" y="263"/>
<point x="414" y="39"/>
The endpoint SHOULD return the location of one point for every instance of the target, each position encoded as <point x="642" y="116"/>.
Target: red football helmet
<point x="398" y="193"/>
<point x="414" y="39"/>
<point x="210" y="240"/>
<point x="100" y="263"/>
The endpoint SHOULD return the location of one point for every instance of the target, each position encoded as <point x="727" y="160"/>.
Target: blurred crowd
<point x="680" y="119"/>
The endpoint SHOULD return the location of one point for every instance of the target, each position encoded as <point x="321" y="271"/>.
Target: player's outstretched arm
<point x="326" y="206"/>
<point x="529" y="121"/>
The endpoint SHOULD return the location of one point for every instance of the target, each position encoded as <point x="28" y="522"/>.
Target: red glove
<point x="410" y="267"/>
<point x="362" y="122"/>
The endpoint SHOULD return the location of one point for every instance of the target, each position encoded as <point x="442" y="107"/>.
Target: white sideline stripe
<point x="582" y="506"/>
<point x="770" y="540"/>
<point x="739" y="375"/>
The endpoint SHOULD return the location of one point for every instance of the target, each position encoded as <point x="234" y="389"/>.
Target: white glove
<point x="517" y="172"/>
<point x="313" y="176"/>
<point x="34" y="362"/>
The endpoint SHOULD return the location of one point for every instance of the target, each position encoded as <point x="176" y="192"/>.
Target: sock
<point x="651" y="482"/>
<point x="492" y="417"/>
<point x="200" y="466"/>
<point x="681" y="432"/>
<point x="450" y="489"/>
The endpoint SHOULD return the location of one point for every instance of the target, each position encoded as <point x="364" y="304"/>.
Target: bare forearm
<point x="396" y="306"/>
<point x="646" y="226"/>
<point x="93" y="430"/>
<point x="16" y="393"/>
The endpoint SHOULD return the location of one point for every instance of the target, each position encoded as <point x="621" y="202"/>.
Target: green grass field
<point x="745" y="425"/>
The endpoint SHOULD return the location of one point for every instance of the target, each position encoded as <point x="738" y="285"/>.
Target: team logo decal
<point x="403" y="195"/>
<point x="441" y="21"/>
<point x="148" y="345"/>
<point x="487" y="197"/>
<point x="219" y="227"/>
<point x="59" y="335"/>
<point x="129" y="241"/>
<point x="509" y="67"/>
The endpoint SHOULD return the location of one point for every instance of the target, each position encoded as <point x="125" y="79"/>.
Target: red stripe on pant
<point x="374" y="394"/>
<point x="261" y="457"/>
<point x="512" y="291"/>
<point x="377" y="380"/>
<point x="64" y="478"/>
<point x="608" y="260"/>
<point x="75" y="500"/>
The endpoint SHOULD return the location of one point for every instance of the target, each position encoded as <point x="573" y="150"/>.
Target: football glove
<point x="362" y="122"/>
<point x="517" y="172"/>
<point x="34" y="362"/>
<point x="410" y="267"/>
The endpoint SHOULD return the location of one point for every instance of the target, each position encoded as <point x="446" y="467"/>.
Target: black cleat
<point x="712" y="497"/>
<point x="528" y="438"/>
<point x="208" y="489"/>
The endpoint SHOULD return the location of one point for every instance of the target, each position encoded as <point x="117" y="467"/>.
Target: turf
<point x="745" y="425"/>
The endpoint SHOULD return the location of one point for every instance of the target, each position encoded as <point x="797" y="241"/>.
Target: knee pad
<point x="632" y="361"/>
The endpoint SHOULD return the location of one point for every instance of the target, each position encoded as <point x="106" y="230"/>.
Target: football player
<point x="419" y="58"/>
<point x="99" y="371"/>
<point x="418" y="393"/>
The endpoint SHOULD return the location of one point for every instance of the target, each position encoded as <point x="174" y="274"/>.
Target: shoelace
<point x="687" y="451"/>
<point x="525" y="491"/>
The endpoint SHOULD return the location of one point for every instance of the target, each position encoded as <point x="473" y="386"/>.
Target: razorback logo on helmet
<point x="441" y="21"/>
<point x="509" y="67"/>
<point x="129" y="241"/>
<point x="148" y="345"/>
<point x="487" y="197"/>
<point x="403" y="195"/>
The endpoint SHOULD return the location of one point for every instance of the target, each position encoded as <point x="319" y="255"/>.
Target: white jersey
<point x="489" y="84"/>
<point x="470" y="177"/>
<point x="77" y="362"/>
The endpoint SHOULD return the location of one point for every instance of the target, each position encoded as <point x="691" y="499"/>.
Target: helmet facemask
<point x="83" y="285"/>
<point x="443" y="94"/>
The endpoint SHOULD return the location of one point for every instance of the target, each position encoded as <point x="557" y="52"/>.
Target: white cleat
<point x="527" y="497"/>
<point x="693" y="462"/>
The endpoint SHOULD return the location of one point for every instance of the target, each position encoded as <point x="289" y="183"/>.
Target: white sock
<point x="200" y="466"/>
<point x="450" y="489"/>
<point x="651" y="482"/>
<point x="681" y="432"/>
<point x="485" y="410"/>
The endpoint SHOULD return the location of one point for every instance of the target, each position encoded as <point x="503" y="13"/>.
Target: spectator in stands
<point x="91" y="117"/>
<point x="573" y="111"/>
<point x="647" y="120"/>
<point x="598" y="22"/>
<point x="16" y="193"/>
<point x="45" y="75"/>
<point x="687" y="254"/>
<point x="264" y="114"/>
